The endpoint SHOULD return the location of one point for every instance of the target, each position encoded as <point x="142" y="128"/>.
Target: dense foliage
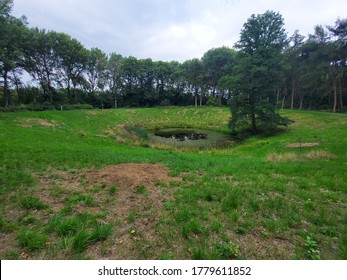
<point x="311" y="73"/>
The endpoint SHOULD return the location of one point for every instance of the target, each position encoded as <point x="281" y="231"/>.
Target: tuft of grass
<point x="77" y="232"/>
<point x="31" y="239"/>
<point x="199" y="253"/>
<point x="101" y="232"/>
<point x="81" y="241"/>
<point x="192" y="227"/>
<point x="66" y="225"/>
<point x="6" y="225"/>
<point x="29" y="220"/>
<point x="142" y="190"/>
<point x="232" y="201"/>
<point x="112" y="190"/>
<point x="81" y="198"/>
<point x="32" y="203"/>
<point x="131" y="216"/>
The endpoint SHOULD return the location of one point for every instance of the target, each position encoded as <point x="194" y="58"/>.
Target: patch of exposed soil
<point x="299" y="145"/>
<point x="54" y="188"/>
<point x="130" y="194"/>
<point x="138" y="201"/>
<point x="130" y="175"/>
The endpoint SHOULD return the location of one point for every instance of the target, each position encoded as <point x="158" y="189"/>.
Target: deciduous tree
<point x="11" y="45"/>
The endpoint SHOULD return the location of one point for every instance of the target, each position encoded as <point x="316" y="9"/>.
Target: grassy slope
<point x="256" y="200"/>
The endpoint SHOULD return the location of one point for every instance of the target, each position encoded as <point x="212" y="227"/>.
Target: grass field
<point x="81" y="184"/>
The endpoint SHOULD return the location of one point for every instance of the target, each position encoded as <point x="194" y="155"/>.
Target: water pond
<point x="188" y="137"/>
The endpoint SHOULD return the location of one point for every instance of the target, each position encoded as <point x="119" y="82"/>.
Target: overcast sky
<point x="169" y="29"/>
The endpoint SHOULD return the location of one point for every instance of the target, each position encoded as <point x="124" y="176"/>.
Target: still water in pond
<point x="181" y="135"/>
<point x="188" y="137"/>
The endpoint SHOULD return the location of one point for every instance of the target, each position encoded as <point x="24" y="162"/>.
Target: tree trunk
<point x="301" y="102"/>
<point x="254" y="125"/>
<point x="335" y="96"/>
<point x="283" y="100"/>
<point x="51" y="95"/>
<point x="220" y="98"/>
<point x="253" y="119"/>
<point x="341" y="97"/>
<point x="6" y="92"/>
<point x="278" y="98"/>
<point x="69" y="90"/>
<point x="196" y="97"/>
<point x="293" y="94"/>
<point x="202" y="95"/>
<point x="74" y="93"/>
<point x="115" y="101"/>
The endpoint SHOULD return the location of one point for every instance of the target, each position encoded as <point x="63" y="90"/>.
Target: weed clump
<point x="311" y="251"/>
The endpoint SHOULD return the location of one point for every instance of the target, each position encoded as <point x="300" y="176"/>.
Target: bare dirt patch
<point x="299" y="145"/>
<point x="138" y="202"/>
<point x="130" y="175"/>
<point x="132" y="195"/>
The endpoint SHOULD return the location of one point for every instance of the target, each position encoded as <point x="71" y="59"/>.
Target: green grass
<point x="32" y="202"/>
<point x="31" y="239"/>
<point x="258" y="199"/>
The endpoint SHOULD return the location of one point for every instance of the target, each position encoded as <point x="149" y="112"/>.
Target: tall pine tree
<point x="257" y="75"/>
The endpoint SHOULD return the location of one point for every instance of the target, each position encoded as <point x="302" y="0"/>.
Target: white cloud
<point x="168" y="29"/>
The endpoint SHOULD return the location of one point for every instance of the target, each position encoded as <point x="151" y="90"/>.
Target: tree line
<point x="309" y="73"/>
